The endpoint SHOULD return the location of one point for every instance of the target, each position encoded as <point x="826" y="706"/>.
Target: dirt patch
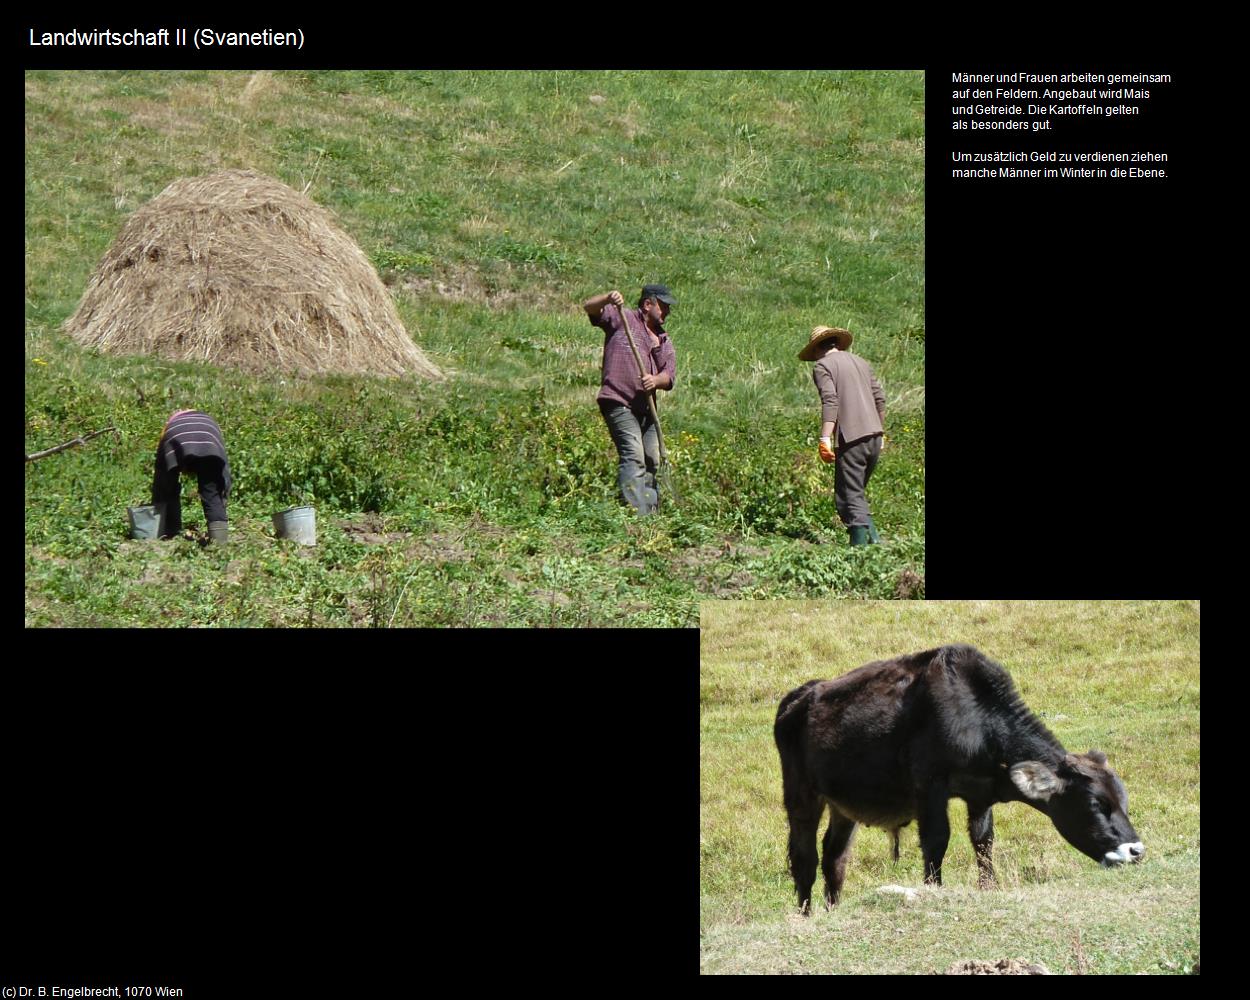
<point x="41" y="555"/>
<point x="734" y="550"/>
<point x="366" y="537"/>
<point x="360" y="611"/>
<point x="163" y="548"/>
<point x="385" y="538"/>
<point x="730" y="585"/>
<point x="163" y="575"/>
<point x="237" y="569"/>
<point x="478" y="527"/>
<point x="370" y="522"/>
<point x="698" y="558"/>
<point x="713" y="569"/>
<point x="441" y="546"/>
<point x="726" y="550"/>
<point x="368" y="531"/>
<point x="910" y="585"/>
<point x="560" y="600"/>
<point x="1003" y="967"/>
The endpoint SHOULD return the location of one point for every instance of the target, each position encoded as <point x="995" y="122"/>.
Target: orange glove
<point x="827" y="454"/>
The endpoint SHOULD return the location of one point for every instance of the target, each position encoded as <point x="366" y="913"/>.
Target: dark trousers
<point x="851" y="473"/>
<point x="166" y="489"/>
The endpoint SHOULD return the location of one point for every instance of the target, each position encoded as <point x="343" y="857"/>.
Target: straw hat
<point x="820" y="336"/>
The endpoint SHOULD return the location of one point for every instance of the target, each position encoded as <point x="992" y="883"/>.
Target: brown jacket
<point x="850" y="395"/>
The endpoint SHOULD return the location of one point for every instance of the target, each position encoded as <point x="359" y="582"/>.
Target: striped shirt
<point x="621" y="383"/>
<point x="192" y="434"/>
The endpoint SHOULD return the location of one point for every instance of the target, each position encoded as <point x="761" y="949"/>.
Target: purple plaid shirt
<point x="620" y="371"/>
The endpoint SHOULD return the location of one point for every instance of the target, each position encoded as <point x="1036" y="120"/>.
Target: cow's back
<point x="851" y="737"/>
<point x="869" y="703"/>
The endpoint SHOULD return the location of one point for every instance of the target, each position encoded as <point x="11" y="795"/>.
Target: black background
<point x="335" y="812"/>
<point x="1068" y="409"/>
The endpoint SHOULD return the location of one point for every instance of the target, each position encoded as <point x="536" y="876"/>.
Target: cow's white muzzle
<point x="1123" y="853"/>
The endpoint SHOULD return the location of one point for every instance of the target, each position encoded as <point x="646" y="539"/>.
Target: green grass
<point x="1119" y="677"/>
<point x="492" y="204"/>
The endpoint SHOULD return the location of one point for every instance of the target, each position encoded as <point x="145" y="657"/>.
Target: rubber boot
<point x="859" y="534"/>
<point x="218" y="532"/>
<point x="873" y="536"/>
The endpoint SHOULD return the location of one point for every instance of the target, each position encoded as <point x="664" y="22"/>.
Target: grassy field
<point x="1119" y="677"/>
<point x="492" y="204"/>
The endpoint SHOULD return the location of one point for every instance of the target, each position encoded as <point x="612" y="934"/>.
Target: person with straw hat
<point x="623" y="397"/>
<point x="852" y="415"/>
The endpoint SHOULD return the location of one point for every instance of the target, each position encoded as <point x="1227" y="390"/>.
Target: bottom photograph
<point x="949" y="787"/>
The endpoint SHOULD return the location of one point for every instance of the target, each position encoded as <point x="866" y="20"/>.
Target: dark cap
<point x="659" y="292"/>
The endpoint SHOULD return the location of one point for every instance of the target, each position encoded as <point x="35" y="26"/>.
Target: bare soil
<point x="1002" y="967"/>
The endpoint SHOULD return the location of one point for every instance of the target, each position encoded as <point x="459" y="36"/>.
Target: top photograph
<point x="452" y="348"/>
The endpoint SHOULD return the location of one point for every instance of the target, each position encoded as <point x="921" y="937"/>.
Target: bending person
<point x="192" y="442"/>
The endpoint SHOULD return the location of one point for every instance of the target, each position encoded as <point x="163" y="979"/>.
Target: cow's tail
<point x="790" y="731"/>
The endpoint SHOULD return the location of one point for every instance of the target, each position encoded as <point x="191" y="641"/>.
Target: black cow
<point x="895" y="739"/>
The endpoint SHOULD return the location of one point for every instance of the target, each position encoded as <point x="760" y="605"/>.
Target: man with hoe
<point x="623" y="398"/>
<point x="852" y="414"/>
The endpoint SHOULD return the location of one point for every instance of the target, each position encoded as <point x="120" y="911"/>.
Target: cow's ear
<point x="1098" y="757"/>
<point x="1035" y="780"/>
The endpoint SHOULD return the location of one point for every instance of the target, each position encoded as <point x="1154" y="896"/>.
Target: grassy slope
<point x="1121" y="677"/>
<point x="492" y="203"/>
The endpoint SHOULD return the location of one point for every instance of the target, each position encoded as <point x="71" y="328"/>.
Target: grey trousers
<point x="851" y="473"/>
<point x="638" y="447"/>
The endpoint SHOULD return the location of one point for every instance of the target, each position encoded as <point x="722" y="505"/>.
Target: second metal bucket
<point x="298" y="524"/>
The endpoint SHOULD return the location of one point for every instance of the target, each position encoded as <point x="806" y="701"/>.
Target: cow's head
<point x="1086" y="801"/>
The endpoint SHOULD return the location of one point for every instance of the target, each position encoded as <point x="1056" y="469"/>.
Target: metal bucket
<point x="146" y="521"/>
<point x="298" y="524"/>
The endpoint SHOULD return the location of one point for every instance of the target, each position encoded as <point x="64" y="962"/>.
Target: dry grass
<point x="237" y="269"/>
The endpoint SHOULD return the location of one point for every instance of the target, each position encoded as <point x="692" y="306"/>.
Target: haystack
<point x="235" y="268"/>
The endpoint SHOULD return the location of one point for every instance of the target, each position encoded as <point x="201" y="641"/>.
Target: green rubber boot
<point x="873" y="536"/>
<point x="859" y="534"/>
<point x="218" y="532"/>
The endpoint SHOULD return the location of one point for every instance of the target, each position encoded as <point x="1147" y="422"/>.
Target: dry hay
<point x="235" y="268"/>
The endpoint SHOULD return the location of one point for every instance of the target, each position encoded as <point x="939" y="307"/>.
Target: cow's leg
<point x="804" y="817"/>
<point x="896" y="833"/>
<point x="835" y="852"/>
<point x="935" y="830"/>
<point x="981" y="833"/>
